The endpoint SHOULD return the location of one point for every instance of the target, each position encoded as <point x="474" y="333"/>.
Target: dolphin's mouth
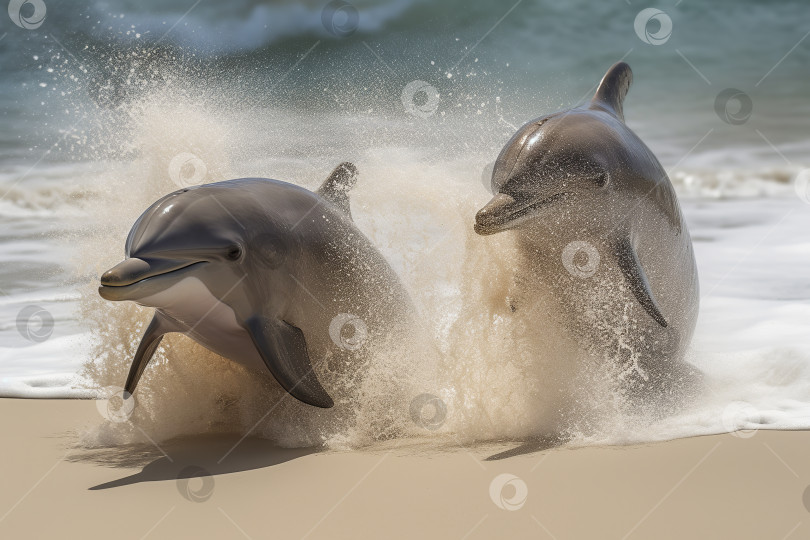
<point x="503" y="212"/>
<point x="127" y="275"/>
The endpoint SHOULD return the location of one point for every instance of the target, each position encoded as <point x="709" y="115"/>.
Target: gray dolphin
<point x="580" y="183"/>
<point x="262" y="272"/>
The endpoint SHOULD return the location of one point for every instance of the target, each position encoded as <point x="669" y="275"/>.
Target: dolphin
<point x="598" y="223"/>
<point x="262" y="272"/>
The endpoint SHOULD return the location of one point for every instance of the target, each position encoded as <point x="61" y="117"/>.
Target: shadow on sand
<point x="189" y="457"/>
<point x="212" y="455"/>
<point x="528" y="447"/>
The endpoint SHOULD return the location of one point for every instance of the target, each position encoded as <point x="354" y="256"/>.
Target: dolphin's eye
<point x="234" y="252"/>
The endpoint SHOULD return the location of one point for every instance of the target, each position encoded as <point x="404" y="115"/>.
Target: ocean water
<point x="98" y="103"/>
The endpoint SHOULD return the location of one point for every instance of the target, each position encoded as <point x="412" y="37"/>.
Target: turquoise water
<point x="535" y="56"/>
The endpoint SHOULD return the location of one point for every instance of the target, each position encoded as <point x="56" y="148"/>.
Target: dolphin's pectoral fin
<point x="613" y="88"/>
<point x="637" y="280"/>
<point x="284" y="350"/>
<point x="158" y="327"/>
<point x="335" y="188"/>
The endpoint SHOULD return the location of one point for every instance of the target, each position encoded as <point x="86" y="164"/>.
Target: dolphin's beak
<point x="133" y="270"/>
<point x="496" y="214"/>
<point x="503" y="212"/>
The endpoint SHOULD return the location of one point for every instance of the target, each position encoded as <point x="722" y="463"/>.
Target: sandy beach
<point x="723" y="486"/>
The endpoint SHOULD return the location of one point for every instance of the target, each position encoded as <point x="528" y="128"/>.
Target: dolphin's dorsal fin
<point x="283" y="349"/>
<point x="637" y="279"/>
<point x="335" y="188"/>
<point x="613" y="88"/>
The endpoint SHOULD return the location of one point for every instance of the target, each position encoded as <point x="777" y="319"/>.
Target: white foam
<point x="50" y="386"/>
<point x="234" y="30"/>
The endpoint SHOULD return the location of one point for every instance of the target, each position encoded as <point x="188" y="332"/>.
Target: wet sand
<point x="722" y="486"/>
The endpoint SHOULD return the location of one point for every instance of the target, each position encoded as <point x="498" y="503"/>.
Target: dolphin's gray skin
<point x="260" y="272"/>
<point x="583" y="176"/>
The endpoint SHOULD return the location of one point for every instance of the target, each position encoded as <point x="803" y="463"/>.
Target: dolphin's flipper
<point x="336" y="187"/>
<point x="284" y="350"/>
<point x="613" y="88"/>
<point x="637" y="279"/>
<point x="158" y="327"/>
